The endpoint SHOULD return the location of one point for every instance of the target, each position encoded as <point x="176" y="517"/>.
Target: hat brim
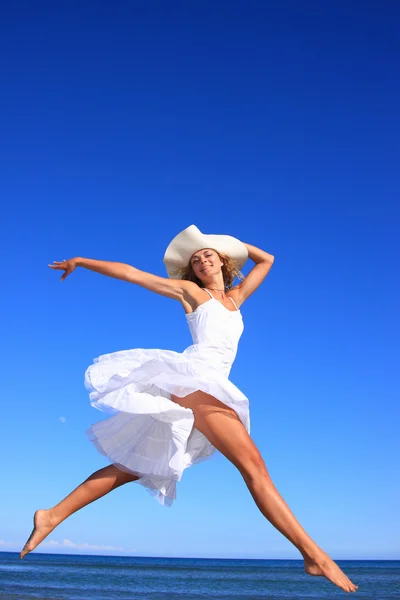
<point x="190" y="240"/>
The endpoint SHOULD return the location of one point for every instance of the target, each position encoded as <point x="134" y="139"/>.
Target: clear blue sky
<point x="275" y="122"/>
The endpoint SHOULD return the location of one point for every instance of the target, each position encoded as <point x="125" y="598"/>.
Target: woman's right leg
<point x="97" y="485"/>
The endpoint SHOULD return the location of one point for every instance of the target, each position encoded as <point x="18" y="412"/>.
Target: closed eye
<point x="196" y="260"/>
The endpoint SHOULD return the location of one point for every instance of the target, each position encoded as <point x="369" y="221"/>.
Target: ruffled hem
<point x="150" y="435"/>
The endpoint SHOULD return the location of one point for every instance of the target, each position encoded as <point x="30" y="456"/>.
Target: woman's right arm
<point x="173" y="288"/>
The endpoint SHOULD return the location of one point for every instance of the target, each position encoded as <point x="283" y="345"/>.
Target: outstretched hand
<point x="65" y="265"/>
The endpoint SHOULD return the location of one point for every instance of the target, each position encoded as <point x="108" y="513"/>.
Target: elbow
<point x="132" y="274"/>
<point x="269" y="259"/>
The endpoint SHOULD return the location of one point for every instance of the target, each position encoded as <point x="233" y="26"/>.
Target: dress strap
<point x="208" y="292"/>
<point x="234" y="303"/>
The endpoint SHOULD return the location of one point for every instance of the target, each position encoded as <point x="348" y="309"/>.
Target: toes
<point x="25" y="550"/>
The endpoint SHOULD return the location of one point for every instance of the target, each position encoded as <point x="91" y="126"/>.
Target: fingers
<point x="66" y="273"/>
<point x="61" y="265"/>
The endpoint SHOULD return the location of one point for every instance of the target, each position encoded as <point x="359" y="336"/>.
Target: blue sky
<point x="278" y="123"/>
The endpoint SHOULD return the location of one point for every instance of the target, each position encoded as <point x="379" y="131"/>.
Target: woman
<point x="174" y="409"/>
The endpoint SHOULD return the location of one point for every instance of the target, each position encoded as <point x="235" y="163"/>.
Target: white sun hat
<point x="191" y="239"/>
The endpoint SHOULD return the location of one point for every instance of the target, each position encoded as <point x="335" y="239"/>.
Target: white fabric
<point x="191" y="239"/>
<point x="150" y="435"/>
<point x="234" y="303"/>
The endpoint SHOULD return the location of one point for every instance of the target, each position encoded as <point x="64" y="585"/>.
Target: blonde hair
<point x="229" y="269"/>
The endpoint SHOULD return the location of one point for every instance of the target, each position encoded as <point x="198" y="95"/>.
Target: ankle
<point x="53" y="516"/>
<point x="312" y="553"/>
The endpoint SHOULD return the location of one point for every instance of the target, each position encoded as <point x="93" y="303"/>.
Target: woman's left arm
<point x="258" y="273"/>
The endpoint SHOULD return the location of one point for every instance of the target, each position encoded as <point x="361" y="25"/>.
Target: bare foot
<point x="323" y="565"/>
<point x="43" y="524"/>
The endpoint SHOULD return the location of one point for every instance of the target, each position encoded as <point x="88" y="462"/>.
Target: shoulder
<point x="193" y="295"/>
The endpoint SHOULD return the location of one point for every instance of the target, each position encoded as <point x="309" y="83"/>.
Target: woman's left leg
<point x="97" y="485"/>
<point x="222" y="427"/>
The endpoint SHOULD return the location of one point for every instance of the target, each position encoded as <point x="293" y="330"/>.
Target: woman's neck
<point x="217" y="285"/>
<point x="217" y="292"/>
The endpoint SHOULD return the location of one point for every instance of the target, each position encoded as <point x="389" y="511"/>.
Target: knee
<point x="252" y="465"/>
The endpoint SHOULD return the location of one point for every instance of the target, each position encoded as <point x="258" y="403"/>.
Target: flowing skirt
<point x="149" y="435"/>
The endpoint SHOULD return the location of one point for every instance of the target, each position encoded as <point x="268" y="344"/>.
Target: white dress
<point x="150" y="435"/>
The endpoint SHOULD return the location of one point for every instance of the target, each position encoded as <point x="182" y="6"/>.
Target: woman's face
<point x="206" y="263"/>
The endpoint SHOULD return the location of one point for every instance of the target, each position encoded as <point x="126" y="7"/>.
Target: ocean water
<point x="77" y="577"/>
